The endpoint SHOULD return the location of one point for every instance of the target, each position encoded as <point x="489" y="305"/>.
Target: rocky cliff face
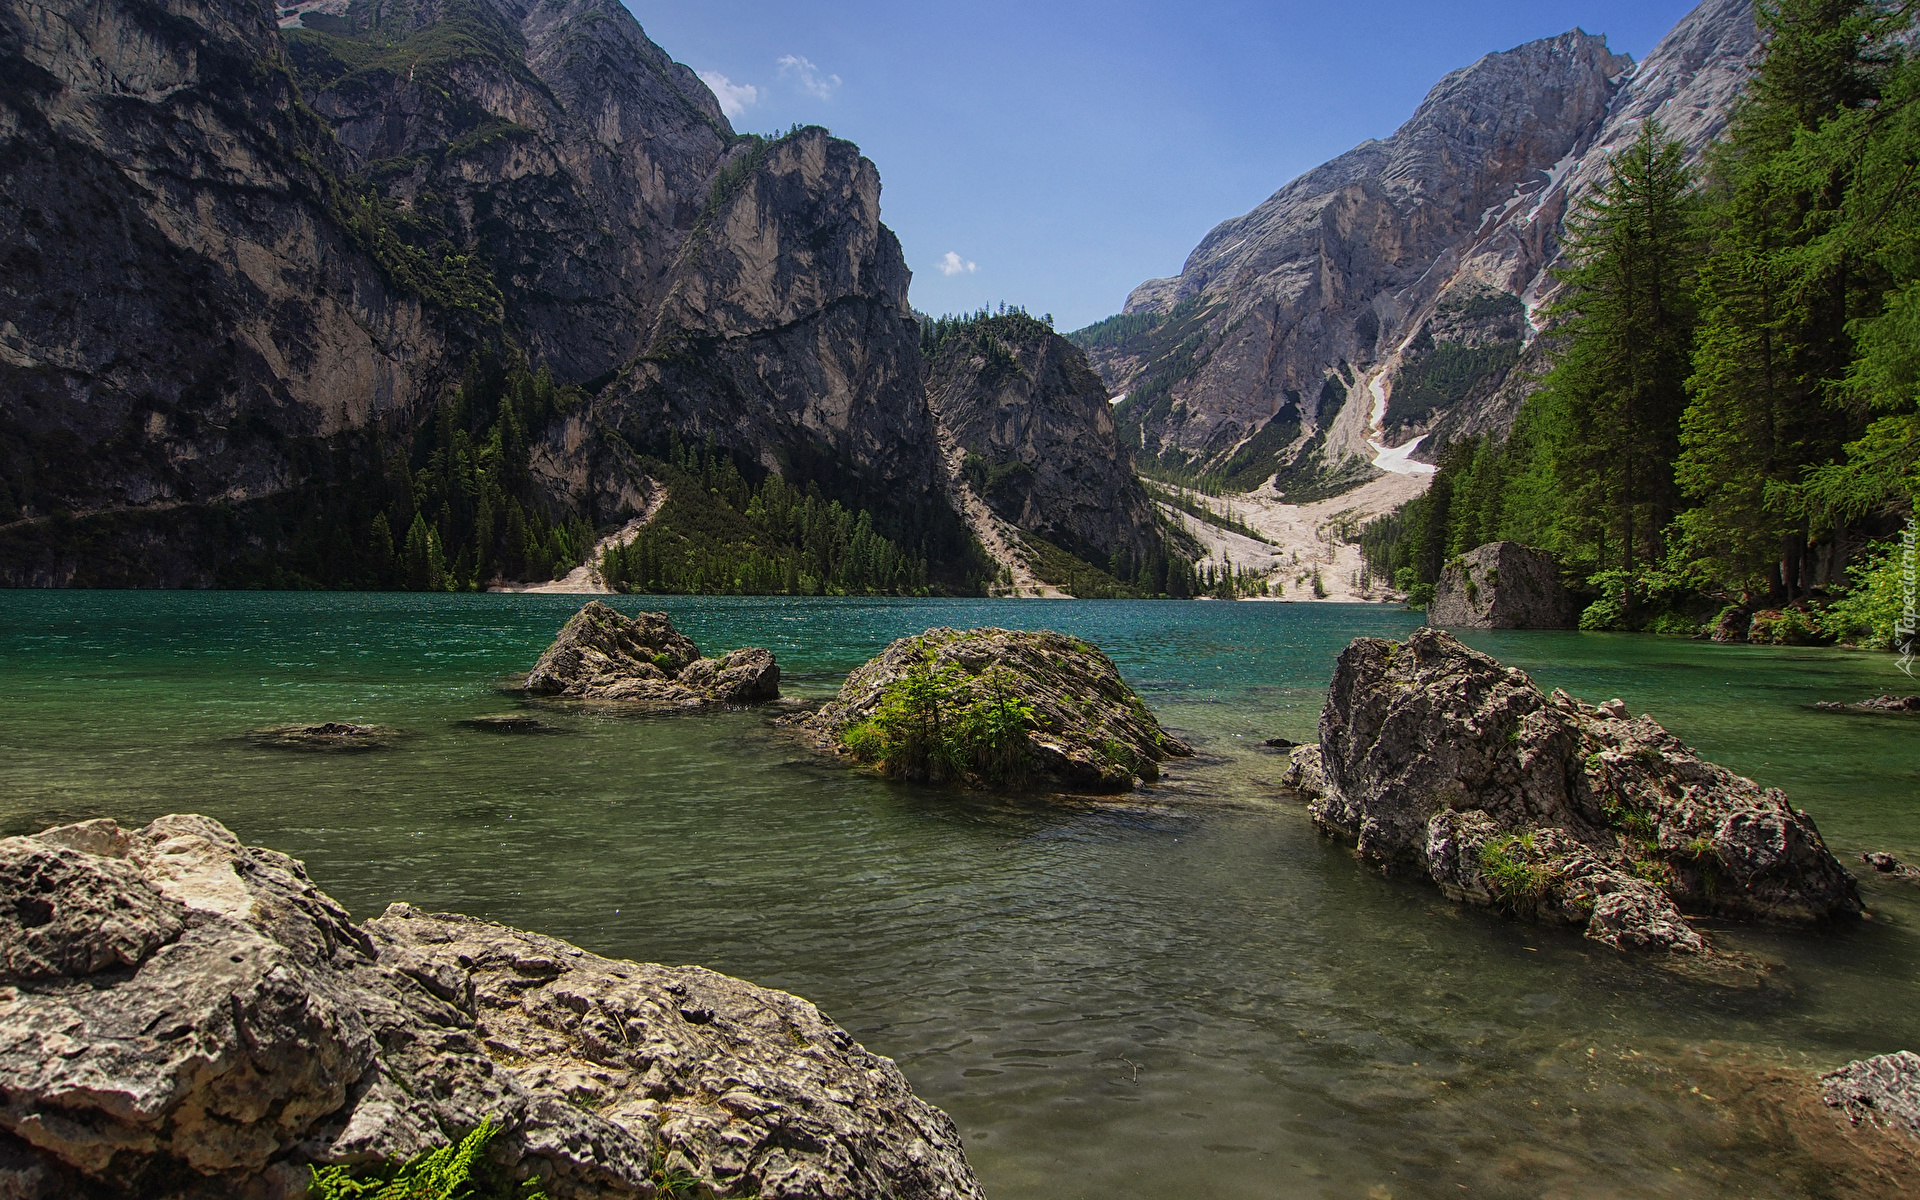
<point x="786" y="337"/>
<point x="1405" y="274"/>
<point x="239" y="256"/>
<point x="182" y="293"/>
<point x="1030" y="431"/>
<point x="553" y="141"/>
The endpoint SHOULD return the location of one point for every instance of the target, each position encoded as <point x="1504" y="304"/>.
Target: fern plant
<point x="443" y="1174"/>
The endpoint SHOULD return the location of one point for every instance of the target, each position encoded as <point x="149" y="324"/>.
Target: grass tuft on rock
<point x="456" y="1172"/>
<point x="1515" y="880"/>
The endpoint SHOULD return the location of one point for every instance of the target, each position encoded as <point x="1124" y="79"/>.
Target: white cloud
<point x="735" y="98"/>
<point x="953" y="264"/>
<point x="811" y="81"/>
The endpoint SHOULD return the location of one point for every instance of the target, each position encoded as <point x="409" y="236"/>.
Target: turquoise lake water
<point x="1188" y="993"/>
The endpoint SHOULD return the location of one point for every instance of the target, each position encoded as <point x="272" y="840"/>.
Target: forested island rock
<point x="995" y="708"/>
<point x="601" y="655"/>
<point x="189" y="1017"/>
<point x="1502" y="585"/>
<point x="1438" y="760"/>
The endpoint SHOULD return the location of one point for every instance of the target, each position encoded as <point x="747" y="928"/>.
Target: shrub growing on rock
<point x="995" y="708"/>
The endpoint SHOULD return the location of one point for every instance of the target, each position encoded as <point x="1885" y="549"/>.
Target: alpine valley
<point x="468" y="294"/>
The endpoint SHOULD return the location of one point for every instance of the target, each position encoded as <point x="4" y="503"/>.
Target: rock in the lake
<point x="1887" y="864"/>
<point x="1440" y="761"/>
<point x="601" y="655"/>
<point x="329" y="736"/>
<point x="1899" y="704"/>
<point x="1280" y="743"/>
<point x="508" y="723"/>
<point x="1883" y="1091"/>
<point x="1303" y="772"/>
<point x="188" y="1017"/>
<point x="1087" y="730"/>
<point x="1731" y="624"/>
<point x="1502" y="585"/>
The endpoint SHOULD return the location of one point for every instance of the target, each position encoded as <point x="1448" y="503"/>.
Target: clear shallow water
<point x="1185" y="994"/>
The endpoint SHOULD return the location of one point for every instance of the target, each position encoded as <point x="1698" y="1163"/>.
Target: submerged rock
<point x="1900" y="704"/>
<point x="601" y="655"/>
<point x="334" y="736"/>
<point x="1083" y="728"/>
<point x="1502" y="585"/>
<point x="1438" y="760"/>
<point x="508" y="723"/>
<point x="1887" y="864"/>
<point x="190" y="1017"/>
<point x="1883" y="1091"/>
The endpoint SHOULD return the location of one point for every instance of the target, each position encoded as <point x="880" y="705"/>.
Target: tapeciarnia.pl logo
<point x="1909" y="622"/>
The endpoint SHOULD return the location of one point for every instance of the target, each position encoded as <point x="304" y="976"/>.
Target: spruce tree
<point x="1617" y="389"/>
<point x="1780" y="293"/>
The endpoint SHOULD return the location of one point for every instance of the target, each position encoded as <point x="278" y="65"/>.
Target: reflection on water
<point x="1187" y="993"/>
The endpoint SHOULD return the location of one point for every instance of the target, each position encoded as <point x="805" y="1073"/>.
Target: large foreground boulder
<point x="996" y="708"/>
<point x="1436" y="759"/>
<point x="1502" y="585"/>
<point x="601" y="655"/>
<point x="189" y="1017"/>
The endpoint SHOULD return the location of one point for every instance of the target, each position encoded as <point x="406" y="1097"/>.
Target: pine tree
<point x="418" y="574"/>
<point x="1617" y="386"/>
<point x="1780" y="292"/>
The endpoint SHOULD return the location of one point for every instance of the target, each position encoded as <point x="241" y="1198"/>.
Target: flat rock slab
<point x="1087" y="731"/>
<point x="1889" y="866"/>
<point x="1879" y="704"/>
<point x="644" y="661"/>
<point x="190" y="1018"/>
<point x="328" y="737"/>
<point x="509" y="723"/>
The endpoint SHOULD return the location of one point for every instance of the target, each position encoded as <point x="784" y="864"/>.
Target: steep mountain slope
<point x="184" y="285"/>
<point x="1029" y="428"/>
<point x="247" y="268"/>
<point x="1390" y="293"/>
<point x="786" y="337"/>
<point x="568" y="152"/>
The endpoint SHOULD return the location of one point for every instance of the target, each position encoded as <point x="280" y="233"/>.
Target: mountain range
<point x="349" y="281"/>
<point x="1390" y="300"/>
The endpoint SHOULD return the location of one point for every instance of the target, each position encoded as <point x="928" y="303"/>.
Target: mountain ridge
<point x="1327" y="285"/>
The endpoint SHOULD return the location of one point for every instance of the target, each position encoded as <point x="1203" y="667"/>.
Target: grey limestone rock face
<point x="1021" y="404"/>
<point x="1883" y="1091"/>
<point x="787" y="338"/>
<point x="1340" y="273"/>
<point x="601" y="655"/>
<point x="181" y="299"/>
<point x="1090" y="732"/>
<point x="1502" y="585"/>
<point x="237" y="1026"/>
<point x="1439" y="761"/>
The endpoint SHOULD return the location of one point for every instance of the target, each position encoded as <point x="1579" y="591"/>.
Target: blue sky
<point x="1061" y="152"/>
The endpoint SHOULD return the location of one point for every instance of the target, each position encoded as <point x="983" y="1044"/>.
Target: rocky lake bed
<point x="1268" y="969"/>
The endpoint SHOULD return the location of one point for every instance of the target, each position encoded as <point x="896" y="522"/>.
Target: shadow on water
<point x="1184" y="992"/>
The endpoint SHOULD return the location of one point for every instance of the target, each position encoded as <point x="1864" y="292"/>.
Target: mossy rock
<point x="995" y="708"/>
